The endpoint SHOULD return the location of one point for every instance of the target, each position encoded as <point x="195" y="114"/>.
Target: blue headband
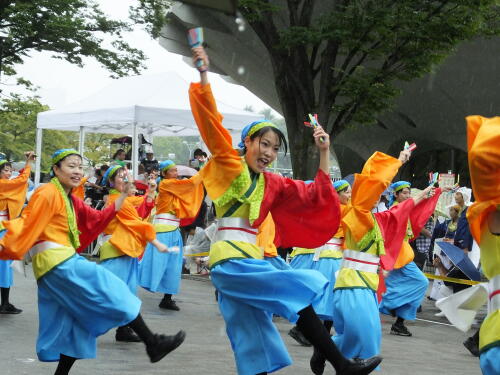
<point x="250" y="129"/>
<point x="340" y="185"/>
<point x="398" y="186"/>
<point x="62" y="153"/>
<point x="109" y="173"/>
<point x="166" y="165"/>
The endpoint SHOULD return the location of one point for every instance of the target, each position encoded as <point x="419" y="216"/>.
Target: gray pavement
<point x="433" y="349"/>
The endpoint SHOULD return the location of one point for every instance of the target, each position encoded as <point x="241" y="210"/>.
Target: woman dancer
<point x="78" y="300"/>
<point x="250" y="288"/>
<point x="406" y="284"/>
<point x="483" y="139"/>
<point x="177" y="199"/>
<point x="126" y="235"/>
<point x="12" y="198"/>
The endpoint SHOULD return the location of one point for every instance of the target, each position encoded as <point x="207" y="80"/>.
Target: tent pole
<point x="135" y="151"/>
<point x="81" y="141"/>
<point x="39" y="134"/>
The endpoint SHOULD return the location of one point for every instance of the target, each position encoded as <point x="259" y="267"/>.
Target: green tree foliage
<point x="179" y="146"/>
<point x="343" y="59"/>
<point x="18" y="130"/>
<point x="71" y="29"/>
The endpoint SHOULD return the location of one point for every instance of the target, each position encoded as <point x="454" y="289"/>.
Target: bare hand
<point x="437" y="262"/>
<point x="1" y="248"/>
<point x="321" y="138"/>
<point x="199" y="53"/>
<point x="30" y="155"/>
<point x="152" y="184"/>
<point x="161" y="248"/>
<point x="429" y="191"/>
<point x="404" y="156"/>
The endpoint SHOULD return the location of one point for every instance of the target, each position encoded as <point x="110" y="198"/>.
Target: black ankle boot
<point x="169" y="304"/>
<point x="161" y="345"/>
<point x="358" y="366"/>
<point x="317" y="363"/>
<point x="126" y="334"/>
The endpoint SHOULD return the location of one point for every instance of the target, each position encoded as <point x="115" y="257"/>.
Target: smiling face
<point x="119" y="182"/>
<point x="6" y="172"/>
<point x="345" y="195"/>
<point x="69" y="172"/>
<point x="261" y="151"/>
<point x="171" y="173"/>
<point x="459" y="198"/>
<point x="403" y="195"/>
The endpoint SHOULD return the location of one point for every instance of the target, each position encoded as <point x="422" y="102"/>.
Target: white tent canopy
<point x="153" y="104"/>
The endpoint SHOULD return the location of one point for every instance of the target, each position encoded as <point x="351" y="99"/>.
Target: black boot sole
<point x="178" y="340"/>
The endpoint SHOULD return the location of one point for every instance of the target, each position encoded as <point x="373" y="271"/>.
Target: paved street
<point x="433" y="349"/>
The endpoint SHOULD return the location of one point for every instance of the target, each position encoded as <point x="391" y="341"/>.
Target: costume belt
<point x="44" y="245"/>
<point x="4" y="215"/>
<point x="235" y="229"/>
<point x="359" y="261"/>
<point x="494" y="294"/>
<point x="335" y="244"/>
<point x="167" y="219"/>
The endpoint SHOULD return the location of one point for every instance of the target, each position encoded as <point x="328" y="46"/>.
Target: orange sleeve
<point x="23" y="232"/>
<point x="13" y="192"/>
<point x="79" y="191"/>
<point x="483" y="141"/>
<point x="128" y="232"/>
<point x="265" y="237"/>
<point x="184" y="197"/>
<point x="377" y="174"/>
<point x="225" y="163"/>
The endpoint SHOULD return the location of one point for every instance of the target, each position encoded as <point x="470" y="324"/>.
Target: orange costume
<point x="483" y="141"/>
<point x="176" y="200"/>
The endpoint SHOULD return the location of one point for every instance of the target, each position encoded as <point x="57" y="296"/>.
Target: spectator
<point x="422" y="243"/>
<point x="463" y="237"/>
<point x="119" y="157"/>
<point x="199" y="159"/>
<point x="150" y="163"/>
<point x="197" y="242"/>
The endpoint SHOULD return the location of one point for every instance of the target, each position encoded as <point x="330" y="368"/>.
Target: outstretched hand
<point x="199" y="54"/>
<point x="404" y="156"/>
<point x="321" y="138"/>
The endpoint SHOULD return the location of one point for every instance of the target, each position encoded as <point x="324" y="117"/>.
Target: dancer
<point x="250" y="288"/>
<point x="355" y="316"/>
<point x="12" y="198"/>
<point x="483" y="139"/>
<point x="177" y="199"/>
<point x="127" y="234"/>
<point x="78" y="300"/>
<point x="406" y="284"/>
<point x="325" y="259"/>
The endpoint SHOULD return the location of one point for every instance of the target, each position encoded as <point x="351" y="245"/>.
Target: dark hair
<point x="104" y="167"/>
<point x="343" y="190"/>
<point x="198" y="152"/>
<point x="400" y="191"/>
<point x="281" y="137"/>
<point x="8" y="164"/>
<point x="119" y="151"/>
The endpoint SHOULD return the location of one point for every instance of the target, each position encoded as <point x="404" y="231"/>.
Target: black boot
<point x="295" y="334"/>
<point x="163" y="345"/>
<point x="317" y="361"/>
<point x="399" y="328"/>
<point x="6" y="307"/>
<point x="472" y="344"/>
<point x="168" y="303"/>
<point x="157" y="346"/>
<point x="126" y="334"/>
<point x="315" y="332"/>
